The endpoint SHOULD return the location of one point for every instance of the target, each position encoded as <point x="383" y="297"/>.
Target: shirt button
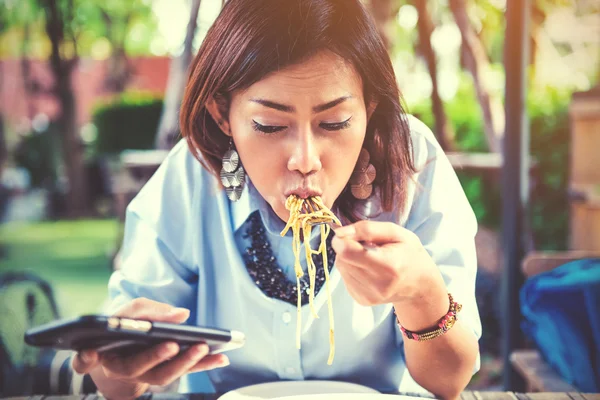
<point x="286" y="317"/>
<point x="290" y="370"/>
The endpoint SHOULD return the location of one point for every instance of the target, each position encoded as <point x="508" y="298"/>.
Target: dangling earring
<point x="361" y="181"/>
<point x="233" y="176"/>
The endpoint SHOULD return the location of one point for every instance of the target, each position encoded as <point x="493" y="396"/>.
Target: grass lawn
<point x="72" y="255"/>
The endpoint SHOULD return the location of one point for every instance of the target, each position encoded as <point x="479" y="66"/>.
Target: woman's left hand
<point x="397" y="269"/>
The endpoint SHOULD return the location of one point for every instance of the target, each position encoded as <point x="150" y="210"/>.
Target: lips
<point x="303" y="193"/>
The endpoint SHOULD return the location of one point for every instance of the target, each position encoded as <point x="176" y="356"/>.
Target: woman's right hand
<point x="120" y="377"/>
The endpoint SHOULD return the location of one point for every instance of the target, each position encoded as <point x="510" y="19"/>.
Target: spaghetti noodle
<point x="304" y="213"/>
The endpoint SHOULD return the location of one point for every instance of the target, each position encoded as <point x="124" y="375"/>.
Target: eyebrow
<point x="292" y="109"/>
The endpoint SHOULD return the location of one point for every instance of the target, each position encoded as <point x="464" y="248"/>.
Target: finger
<point x="374" y="232"/>
<point x="138" y="364"/>
<point x="354" y="281"/>
<point x="142" y="308"/>
<point x="349" y="274"/>
<point x="84" y="361"/>
<point x="167" y="373"/>
<point x="210" y="362"/>
<point x="352" y="252"/>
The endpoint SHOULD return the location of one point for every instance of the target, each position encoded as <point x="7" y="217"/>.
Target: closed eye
<point x="267" y="128"/>
<point x="336" y="126"/>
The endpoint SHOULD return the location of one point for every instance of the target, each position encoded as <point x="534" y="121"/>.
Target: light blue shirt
<point x="183" y="244"/>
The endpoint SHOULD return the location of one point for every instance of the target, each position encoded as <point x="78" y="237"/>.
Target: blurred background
<point x="90" y="92"/>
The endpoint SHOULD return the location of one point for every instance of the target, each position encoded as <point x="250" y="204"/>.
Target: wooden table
<point x="464" y="396"/>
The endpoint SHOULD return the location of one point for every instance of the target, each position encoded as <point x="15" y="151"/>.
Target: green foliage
<point x="129" y="121"/>
<point x="550" y="147"/>
<point x="39" y="153"/>
<point x="550" y="144"/>
<point x="465" y="115"/>
<point x="88" y="24"/>
<point x="73" y="256"/>
<point x="489" y="21"/>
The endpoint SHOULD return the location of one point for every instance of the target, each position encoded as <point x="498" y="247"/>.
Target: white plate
<point x="348" y="396"/>
<point x="286" y="389"/>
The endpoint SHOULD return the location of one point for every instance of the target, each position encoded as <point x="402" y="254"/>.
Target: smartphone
<point x="125" y="335"/>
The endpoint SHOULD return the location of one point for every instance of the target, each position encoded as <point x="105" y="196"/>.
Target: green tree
<point x="66" y="25"/>
<point x="476" y="61"/>
<point x="117" y="19"/>
<point x="425" y="27"/>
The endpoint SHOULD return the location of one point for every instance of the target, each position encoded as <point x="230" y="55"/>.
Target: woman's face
<point x="300" y="130"/>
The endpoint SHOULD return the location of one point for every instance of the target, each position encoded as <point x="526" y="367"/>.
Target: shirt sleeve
<point x="441" y="216"/>
<point x="157" y="260"/>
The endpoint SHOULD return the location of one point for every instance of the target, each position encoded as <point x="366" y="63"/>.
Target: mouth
<point x="303" y="192"/>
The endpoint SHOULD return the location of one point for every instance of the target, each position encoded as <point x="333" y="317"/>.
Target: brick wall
<point x="149" y="74"/>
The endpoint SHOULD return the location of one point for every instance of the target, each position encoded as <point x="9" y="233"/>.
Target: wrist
<point x="423" y="310"/>
<point x="444" y="324"/>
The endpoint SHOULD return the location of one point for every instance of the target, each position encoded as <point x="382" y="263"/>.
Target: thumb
<point x="151" y="310"/>
<point x="177" y="315"/>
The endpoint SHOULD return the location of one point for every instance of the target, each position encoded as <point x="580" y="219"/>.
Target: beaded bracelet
<point x="445" y="324"/>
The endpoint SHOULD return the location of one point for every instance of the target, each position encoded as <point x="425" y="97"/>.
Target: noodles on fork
<point x="304" y="213"/>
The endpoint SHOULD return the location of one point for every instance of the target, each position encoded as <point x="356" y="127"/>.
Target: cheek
<point x="342" y="159"/>
<point x="248" y="144"/>
<point x="262" y="159"/>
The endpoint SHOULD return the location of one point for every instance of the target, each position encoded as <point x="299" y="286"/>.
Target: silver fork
<point x="364" y="244"/>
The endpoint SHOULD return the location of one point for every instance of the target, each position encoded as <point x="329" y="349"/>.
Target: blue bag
<point x="561" y="308"/>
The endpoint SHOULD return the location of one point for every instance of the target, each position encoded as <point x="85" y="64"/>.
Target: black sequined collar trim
<point x="265" y="272"/>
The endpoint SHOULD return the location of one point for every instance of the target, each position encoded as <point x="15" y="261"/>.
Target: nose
<point x="305" y="157"/>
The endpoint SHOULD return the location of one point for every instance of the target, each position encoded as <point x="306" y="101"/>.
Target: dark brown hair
<point x="253" y="38"/>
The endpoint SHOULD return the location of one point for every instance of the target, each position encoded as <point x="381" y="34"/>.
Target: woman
<point x="304" y="94"/>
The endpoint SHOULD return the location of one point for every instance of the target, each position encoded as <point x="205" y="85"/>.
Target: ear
<point x="216" y="112"/>
<point x="371" y="109"/>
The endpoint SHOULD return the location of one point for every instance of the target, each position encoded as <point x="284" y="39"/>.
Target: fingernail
<point x="225" y="362"/>
<point x="179" y="312"/>
<point x="345" y="231"/>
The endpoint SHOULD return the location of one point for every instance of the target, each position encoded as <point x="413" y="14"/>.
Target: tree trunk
<point x="425" y="26"/>
<point x="477" y="63"/>
<point x="77" y="198"/>
<point x="384" y="12"/>
<point x="119" y="69"/>
<point x="62" y="71"/>
<point x="168" y="129"/>
<point x="30" y="85"/>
